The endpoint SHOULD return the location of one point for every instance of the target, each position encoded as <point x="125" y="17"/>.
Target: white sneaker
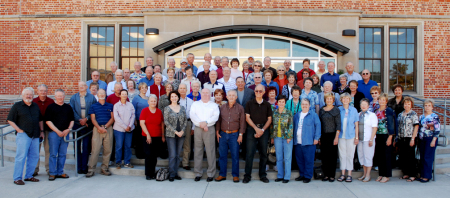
<point x="275" y="168"/>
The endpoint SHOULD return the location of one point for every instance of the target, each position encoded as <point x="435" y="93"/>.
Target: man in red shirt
<point x="114" y="98"/>
<point x="43" y="101"/>
<point x="306" y="63"/>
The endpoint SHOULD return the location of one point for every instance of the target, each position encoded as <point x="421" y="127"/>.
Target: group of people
<point x="220" y="107"/>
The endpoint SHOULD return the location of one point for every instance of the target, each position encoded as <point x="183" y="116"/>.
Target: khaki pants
<point x="187" y="144"/>
<point x="207" y="140"/>
<point x="99" y="139"/>
<point x="47" y="153"/>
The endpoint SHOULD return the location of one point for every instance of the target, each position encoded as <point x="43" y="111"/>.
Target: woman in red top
<point x="246" y="70"/>
<point x="152" y="124"/>
<point x="157" y="87"/>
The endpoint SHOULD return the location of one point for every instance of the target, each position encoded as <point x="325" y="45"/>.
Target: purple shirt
<point x="123" y="116"/>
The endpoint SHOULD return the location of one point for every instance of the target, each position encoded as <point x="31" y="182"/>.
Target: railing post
<point x="76" y="154"/>
<point x="445" y="120"/>
<point x="3" y="160"/>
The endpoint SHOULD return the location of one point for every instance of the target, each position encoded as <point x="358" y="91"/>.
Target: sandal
<point x="384" y="180"/>
<point x="424" y="180"/>
<point x="341" y="178"/>
<point x="367" y="179"/>
<point x="19" y="182"/>
<point x="404" y="177"/>
<point x="411" y="179"/>
<point x="325" y="179"/>
<point x="32" y="179"/>
<point x="349" y="179"/>
<point x="361" y="178"/>
<point x="331" y="179"/>
<point x="379" y="178"/>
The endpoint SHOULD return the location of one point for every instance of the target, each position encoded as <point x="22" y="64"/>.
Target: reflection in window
<point x="132" y="46"/>
<point x="402" y="57"/>
<point x="198" y="50"/>
<point x="101" y="50"/>
<point x="277" y="47"/>
<point x="371" y="52"/>
<point x="304" y="51"/>
<point x="250" y="46"/>
<point x="224" y="47"/>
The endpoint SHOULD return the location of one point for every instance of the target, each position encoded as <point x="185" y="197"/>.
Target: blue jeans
<point x="283" y="151"/>
<point x="123" y="139"/>
<point x="58" y="152"/>
<point x="426" y="157"/>
<point x="26" y="148"/>
<point x="305" y="159"/>
<point x="83" y="149"/>
<point x="229" y="141"/>
<point x="175" y="146"/>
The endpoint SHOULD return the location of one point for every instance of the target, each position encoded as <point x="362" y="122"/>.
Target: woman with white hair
<point x="119" y="78"/>
<point x="246" y="70"/>
<point x="344" y="85"/>
<point x="157" y="88"/>
<point x="367" y="125"/>
<point x="328" y="88"/>
<point x="257" y="66"/>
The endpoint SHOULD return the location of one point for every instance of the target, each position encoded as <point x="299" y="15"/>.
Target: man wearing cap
<point x="181" y="74"/>
<point x="208" y="59"/>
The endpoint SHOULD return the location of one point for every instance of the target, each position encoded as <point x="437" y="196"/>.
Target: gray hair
<point x="206" y="54"/>
<point x="42" y="85"/>
<point x="224" y="57"/>
<point x="101" y="90"/>
<point x="257" y="61"/>
<point x="216" y="57"/>
<point x="307" y="100"/>
<point x="257" y="73"/>
<point x="190" y="54"/>
<point x="118" y="83"/>
<point x="60" y="90"/>
<point x="289" y="61"/>
<point x="429" y="100"/>
<point x="206" y="62"/>
<point x="268" y="58"/>
<point x="245" y="62"/>
<point x="171" y="59"/>
<point x="345" y="95"/>
<point x="281" y="66"/>
<point x="119" y="70"/>
<point x="182" y="84"/>
<point x="197" y="82"/>
<point x="328" y="83"/>
<point x="153" y="96"/>
<point x="149" y="57"/>
<point x="343" y="76"/>
<point x="138" y="63"/>
<point x="334" y="64"/>
<point x="158" y="74"/>
<point x="226" y="68"/>
<point x="84" y="83"/>
<point x="213" y="71"/>
<point x="27" y="89"/>
<point x="349" y="62"/>
<point x="231" y="91"/>
<point x="114" y="62"/>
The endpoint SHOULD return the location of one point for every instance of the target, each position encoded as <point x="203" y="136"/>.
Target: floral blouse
<point x="382" y="122"/>
<point x="406" y="123"/>
<point x="285" y="120"/>
<point x="424" y="129"/>
<point x="373" y="106"/>
<point x="312" y="97"/>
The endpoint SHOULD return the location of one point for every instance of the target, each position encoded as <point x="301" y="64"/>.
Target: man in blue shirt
<point x="351" y="75"/>
<point x="366" y="84"/>
<point x="190" y="59"/>
<point x="102" y="117"/>
<point x="330" y="76"/>
<point x="95" y="75"/>
<point x="148" y="77"/>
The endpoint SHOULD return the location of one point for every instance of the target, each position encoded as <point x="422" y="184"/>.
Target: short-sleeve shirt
<point x="26" y="118"/>
<point x="152" y="122"/>
<point x="102" y="112"/>
<point x="259" y="113"/>
<point x="406" y="123"/>
<point x="312" y="97"/>
<point x="60" y="115"/>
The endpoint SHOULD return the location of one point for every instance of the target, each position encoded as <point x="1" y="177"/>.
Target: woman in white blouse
<point x="368" y="124"/>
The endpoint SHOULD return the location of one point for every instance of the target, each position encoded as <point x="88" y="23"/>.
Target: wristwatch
<point x="240" y="134"/>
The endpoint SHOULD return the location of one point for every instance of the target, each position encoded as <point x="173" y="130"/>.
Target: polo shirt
<point x="26" y="118"/>
<point x="259" y="113"/>
<point x="231" y="84"/>
<point x="353" y="76"/>
<point x="365" y="88"/>
<point x="101" y="85"/>
<point x="102" y="112"/>
<point x="333" y="78"/>
<point x="43" y="106"/>
<point x="149" y="82"/>
<point x="60" y="115"/>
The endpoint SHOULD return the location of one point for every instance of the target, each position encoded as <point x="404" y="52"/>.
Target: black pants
<point x="253" y="143"/>
<point x="137" y="142"/>
<point x="407" y="157"/>
<point x="329" y="153"/>
<point x="151" y="154"/>
<point x="383" y="155"/>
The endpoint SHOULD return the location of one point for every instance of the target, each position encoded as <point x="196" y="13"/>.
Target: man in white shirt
<point x="321" y="69"/>
<point x="226" y="80"/>
<point x="208" y="59"/>
<point x="204" y="114"/>
<point x="351" y="75"/>
<point x="171" y="64"/>
<point x="186" y="103"/>
<point x="119" y="77"/>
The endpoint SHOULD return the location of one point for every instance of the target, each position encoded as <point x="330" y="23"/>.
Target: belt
<point x="259" y="125"/>
<point x="228" y="132"/>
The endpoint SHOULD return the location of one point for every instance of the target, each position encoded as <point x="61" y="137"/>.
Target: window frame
<point x="89" y="57"/>
<point x="120" y="46"/>
<point x="382" y="67"/>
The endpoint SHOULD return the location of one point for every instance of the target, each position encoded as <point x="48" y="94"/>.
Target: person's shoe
<point x="265" y="180"/>
<point x="325" y="179"/>
<point x="90" y="174"/>
<point x="51" y="178"/>
<point x="171" y="179"/>
<point x="105" y="172"/>
<point x="197" y="179"/>
<point x="111" y="163"/>
<point x="246" y="180"/>
<point x="118" y="166"/>
<point x="128" y="165"/>
<point x="32" y="179"/>
<point x="82" y="172"/>
<point x="63" y="176"/>
<point x="210" y="179"/>
<point x="187" y="168"/>
<point x="306" y="180"/>
<point x="236" y="179"/>
<point x="279" y="179"/>
<point x="148" y="177"/>
<point x="220" y="178"/>
<point x="300" y="178"/>
<point x="285" y="181"/>
<point x="19" y="182"/>
<point x="177" y="177"/>
<point x="35" y="174"/>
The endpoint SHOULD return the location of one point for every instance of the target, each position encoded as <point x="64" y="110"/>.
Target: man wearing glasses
<point x="366" y="84"/>
<point x="258" y="113"/>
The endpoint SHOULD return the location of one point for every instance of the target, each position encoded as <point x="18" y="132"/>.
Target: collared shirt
<point x="271" y="84"/>
<point x="365" y="88"/>
<point x="406" y="123"/>
<point x="113" y="99"/>
<point x="110" y="89"/>
<point x="194" y="69"/>
<point x="332" y="78"/>
<point x="60" y="115"/>
<point x="219" y="71"/>
<point x="201" y="112"/>
<point x="211" y="67"/>
<point x="337" y="99"/>
<point x="231" y="119"/>
<point x="123" y="116"/>
<point x="164" y="78"/>
<point x="231" y="84"/>
<point x="250" y="79"/>
<point x="102" y="112"/>
<point x="353" y="76"/>
<point x="370" y="121"/>
<point x="350" y="127"/>
<point x="188" y="83"/>
<point x="203" y="77"/>
<point x="259" y="113"/>
<point x="26" y="118"/>
<point x="164" y="72"/>
<point x="321" y="73"/>
<point x="147" y="81"/>
<point x="137" y="77"/>
<point x="312" y="97"/>
<point x="213" y="86"/>
<point x="187" y="103"/>
<point x="101" y="85"/>
<point x="43" y="104"/>
<point x="284" y="122"/>
<point x="194" y="98"/>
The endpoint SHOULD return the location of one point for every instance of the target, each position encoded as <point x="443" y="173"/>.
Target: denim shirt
<point x="321" y="96"/>
<point x="353" y="116"/>
<point x="271" y="84"/>
<point x="310" y="130"/>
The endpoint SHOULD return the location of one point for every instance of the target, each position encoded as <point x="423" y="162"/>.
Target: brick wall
<point x="9" y="57"/>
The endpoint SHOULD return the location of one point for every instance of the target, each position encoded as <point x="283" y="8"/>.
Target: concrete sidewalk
<point x="131" y="186"/>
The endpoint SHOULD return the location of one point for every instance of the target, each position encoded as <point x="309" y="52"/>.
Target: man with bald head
<point x="148" y="77"/>
<point x="351" y="75"/>
<point x="81" y="103"/>
<point x="95" y="77"/>
<point x="208" y="59"/>
<point x="112" y="76"/>
<point x="366" y="84"/>
<point x="321" y="71"/>
<point x="204" y="115"/>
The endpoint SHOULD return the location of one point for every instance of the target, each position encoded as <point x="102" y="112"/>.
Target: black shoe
<point x="285" y="181"/>
<point x="210" y="179"/>
<point x="187" y="168"/>
<point x="300" y="178"/>
<point x="306" y="180"/>
<point x="331" y="180"/>
<point x="177" y="177"/>
<point x="246" y="180"/>
<point x="197" y="179"/>
<point x="148" y="178"/>
<point x="325" y="179"/>
<point x="264" y="179"/>
<point x="35" y="174"/>
<point x="171" y="179"/>
<point x="279" y="179"/>
<point x="82" y="172"/>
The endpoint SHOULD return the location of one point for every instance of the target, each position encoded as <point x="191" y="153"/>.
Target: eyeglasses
<point x="257" y="65"/>
<point x="257" y="77"/>
<point x="259" y="91"/>
<point x="365" y="73"/>
<point x="374" y="93"/>
<point x="184" y="63"/>
<point x="281" y="70"/>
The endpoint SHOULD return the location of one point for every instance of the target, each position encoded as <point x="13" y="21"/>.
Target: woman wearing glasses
<point x="375" y="91"/>
<point x="310" y="95"/>
<point x="257" y="65"/>
<point x="281" y="79"/>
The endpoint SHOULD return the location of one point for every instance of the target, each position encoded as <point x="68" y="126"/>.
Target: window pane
<point x="361" y="35"/>
<point x="107" y="63"/>
<point x="298" y="66"/>
<point x="141" y="49"/>
<point x="109" y="48"/>
<point x="361" y="65"/>
<point x="377" y="35"/>
<point x="393" y="50"/>
<point x="410" y="50"/>
<point x="278" y="48"/>
<point x="125" y="49"/>
<point x="125" y="31"/>
<point x="409" y="67"/>
<point x="401" y="51"/>
<point x="101" y="33"/>
<point x="393" y="67"/>
<point x="223" y="47"/>
<point x="393" y="35"/>
<point x="361" y="50"/>
<point x="402" y="35"/>
<point x="410" y="36"/>
<point x="368" y="35"/>
<point x="198" y="50"/>
<point x="176" y="53"/>
<point x="368" y="65"/>
<point x="94" y="31"/>
<point x="376" y="67"/>
<point x="368" y="51"/>
<point x="409" y="83"/>
<point x="102" y="64"/>
<point x="250" y="46"/>
<point x="300" y="50"/>
<point x="141" y="34"/>
<point x="133" y="48"/>
<point x="101" y="49"/>
<point x="125" y="63"/>
<point x="110" y="34"/>
<point x="377" y="50"/>
<point x="93" y="49"/>
<point x="134" y="34"/>
<point x="93" y="64"/>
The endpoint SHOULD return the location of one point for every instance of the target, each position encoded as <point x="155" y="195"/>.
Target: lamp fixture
<point x="152" y="31"/>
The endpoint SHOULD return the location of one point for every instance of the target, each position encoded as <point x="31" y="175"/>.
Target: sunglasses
<point x="374" y="93"/>
<point x="365" y="73"/>
<point x="281" y="70"/>
<point x="257" y="65"/>
<point x="259" y="91"/>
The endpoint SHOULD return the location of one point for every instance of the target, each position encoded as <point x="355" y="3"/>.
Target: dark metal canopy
<point x="256" y="29"/>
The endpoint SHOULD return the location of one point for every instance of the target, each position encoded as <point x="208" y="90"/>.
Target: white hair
<point x="197" y="82"/>
<point x="231" y="91"/>
<point x="42" y="85"/>
<point x="158" y="74"/>
<point x="153" y="96"/>
<point x="60" y="90"/>
<point x="114" y="62"/>
<point x="225" y="58"/>
<point x="84" y="83"/>
<point x="190" y="54"/>
<point x="182" y="84"/>
<point x="349" y="63"/>
<point x="119" y="70"/>
<point x="328" y="83"/>
<point x="171" y="59"/>
<point x="28" y="89"/>
<point x="268" y="58"/>
<point x="138" y="63"/>
<point x="206" y="62"/>
<point x="289" y="61"/>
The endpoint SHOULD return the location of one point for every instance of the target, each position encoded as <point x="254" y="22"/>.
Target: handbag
<point x="162" y="174"/>
<point x="271" y="156"/>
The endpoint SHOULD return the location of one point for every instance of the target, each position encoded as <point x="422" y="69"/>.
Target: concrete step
<point x="442" y="159"/>
<point x="442" y="168"/>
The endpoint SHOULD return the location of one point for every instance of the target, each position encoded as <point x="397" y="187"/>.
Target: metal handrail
<point x="445" y="108"/>
<point x="1" y="137"/>
<point x="74" y="140"/>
